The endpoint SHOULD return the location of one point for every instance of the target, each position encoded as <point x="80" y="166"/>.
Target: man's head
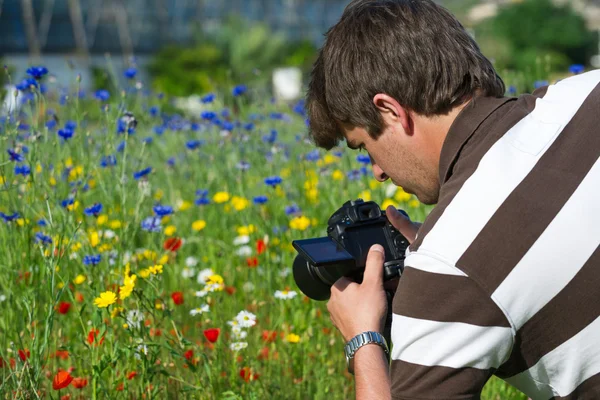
<point x="391" y="77"/>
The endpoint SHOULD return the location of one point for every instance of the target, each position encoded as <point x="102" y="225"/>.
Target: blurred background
<point x="185" y="48"/>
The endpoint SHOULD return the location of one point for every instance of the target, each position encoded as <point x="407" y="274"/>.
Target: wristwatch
<point x="361" y="340"/>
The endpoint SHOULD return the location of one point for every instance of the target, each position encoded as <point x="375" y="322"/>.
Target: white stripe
<point x="565" y="367"/>
<point x="505" y="165"/>
<point x="557" y="255"/>
<point x="430" y="263"/>
<point x="449" y="344"/>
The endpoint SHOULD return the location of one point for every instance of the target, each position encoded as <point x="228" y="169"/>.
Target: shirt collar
<point x="463" y="127"/>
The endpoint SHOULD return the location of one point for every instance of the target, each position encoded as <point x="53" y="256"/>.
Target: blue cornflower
<point x="148" y="140"/>
<point x="22" y="170"/>
<point x="239" y="90"/>
<point x="37" y="72"/>
<point x="363" y="159"/>
<point x="354" y="175"/>
<point x="139" y="174"/>
<point x="162" y="211"/>
<point x="14" y="156"/>
<point x="152" y="224"/>
<point x="44" y="239"/>
<point x="228" y="126"/>
<point x="159" y="130"/>
<point x="276" y="115"/>
<point x="102" y="95"/>
<point x="93" y="210"/>
<point x="338" y="154"/>
<point x="194" y="144"/>
<point x="249" y="126"/>
<point x="313" y="156"/>
<point x="67" y="202"/>
<point x="201" y="192"/>
<point x="576" y="69"/>
<point x="25" y="149"/>
<point x="512" y="90"/>
<point x="209" y="98"/>
<point x="108" y="161"/>
<point x="42" y="222"/>
<point x="9" y="218"/>
<point x="243" y="165"/>
<point x="202" y="201"/>
<point x="72" y="125"/>
<point x="364" y="171"/>
<point x="26" y="84"/>
<point x="539" y="84"/>
<point x="260" y="199"/>
<point x="130" y="73"/>
<point x="299" y="108"/>
<point x="92" y="260"/>
<point x="171" y="161"/>
<point x="51" y="124"/>
<point x="153" y="111"/>
<point x="121" y="146"/>
<point x="194" y="126"/>
<point x="208" y="115"/>
<point x="292" y="210"/>
<point x="65" y="133"/>
<point x="225" y="113"/>
<point x="273" y="180"/>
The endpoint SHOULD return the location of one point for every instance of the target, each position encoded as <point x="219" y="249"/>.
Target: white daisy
<point x="244" y="251"/>
<point x="204" y="275"/>
<point x="285" y="272"/>
<point x="2" y="298"/>
<point x="201" y="293"/>
<point x="134" y="318"/>
<point x="248" y="287"/>
<point x="285" y="294"/>
<point x="237" y="346"/>
<point x="199" y="310"/>
<point x="238" y="333"/>
<point x="246" y="319"/>
<point x="187" y="273"/>
<point x="390" y="190"/>
<point x="243" y="239"/>
<point x="191" y="262"/>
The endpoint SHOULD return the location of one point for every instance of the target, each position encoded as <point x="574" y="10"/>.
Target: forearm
<point x="371" y="371"/>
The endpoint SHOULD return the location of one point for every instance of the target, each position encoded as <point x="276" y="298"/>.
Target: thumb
<point x="374" y="268"/>
<point x="405" y="226"/>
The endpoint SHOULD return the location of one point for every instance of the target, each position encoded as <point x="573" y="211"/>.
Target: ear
<point x="392" y="112"/>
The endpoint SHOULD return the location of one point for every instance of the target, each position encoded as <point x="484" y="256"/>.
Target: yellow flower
<point x="170" y="230"/>
<point x="401" y="196"/>
<point x="116" y="224"/>
<point x="300" y="223"/>
<point x="221" y="197"/>
<point x="105" y="299"/>
<point x="76" y="247"/>
<point x="104" y="248"/>
<point x="164" y="259"/>
<point x="388" y="202"/>
<point x="92" y="183"/>
<point x="149" y="254"/>
<point x="365" y="195"/>
<point x="21" y="221"/>
<point x="374" y="184"/>
<point x="101" y="220"/>
<point x="128" y="286"/>
<point x="414" y="203"/>
<point x="60" y="285"/>
<point x="184" y="205"/>
<point x="52" y="181"/>
<point x="285" y="173"/>
<point x="38" y="168"/>
<point x="239" y="203"/>
<point x="2" y="180"/>
<point x="198" y="225"/>
<point x="156" y="269"/>
<point x="312" y="195"/>
<point x="144" y="273"/>
<point x="214" y="280"/>
<point x="337" y="175"/>
<point x="79" y="279"/>
<point x="246" y="230"/>
<point x="94" y="238"/>
<point x="69" y="162"/>
<point x="159" y="194"/>
<point x="116" y="311"/>
<point x="292" y="338"/>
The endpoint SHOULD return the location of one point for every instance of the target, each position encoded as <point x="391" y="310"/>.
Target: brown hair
<point x="413" y="50"/>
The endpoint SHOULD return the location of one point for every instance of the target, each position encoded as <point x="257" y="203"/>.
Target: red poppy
<point x="92" y="336"/>
<point x="248" y="374"/>
<point x="269" y="336"/>
<point x="230" y="290"/>
<point x="79" y="383"/>
<point x="189" y="354"/>
<point x="61" y="380"/>
<point x="62" y="354"/>
<point x="264" y="353"/>
<point x="64" y="307"/>
<point x="119" y="387"/>
<point x="131" y="375"/>
<point x="177" y="298"/>
<point x="172" y="244"/>
<point x="24" y="355"/>
<point x="252" y="262"/>
<point x="79" y="297"/>
<point x="260" y="246"/>
<point x="212" y="334"/>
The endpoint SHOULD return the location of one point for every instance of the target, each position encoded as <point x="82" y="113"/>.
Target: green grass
<point x="165" y="353"/>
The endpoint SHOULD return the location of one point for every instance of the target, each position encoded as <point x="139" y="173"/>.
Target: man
<point x="503" y="277"/>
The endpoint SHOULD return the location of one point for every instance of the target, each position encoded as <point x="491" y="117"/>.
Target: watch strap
<point x="360" y="340"/>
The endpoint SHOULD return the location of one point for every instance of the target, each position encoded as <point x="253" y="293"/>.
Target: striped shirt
<point x="504" y="276"/>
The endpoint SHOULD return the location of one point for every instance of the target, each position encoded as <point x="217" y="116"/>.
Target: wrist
<point x="361" y="340"/>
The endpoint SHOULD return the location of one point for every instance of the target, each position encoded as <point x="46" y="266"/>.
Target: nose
<point x="378" y="172"/>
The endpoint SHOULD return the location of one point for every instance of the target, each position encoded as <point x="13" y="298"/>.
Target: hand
<point x="408" y="229"/>
<point x="355" y="308"/>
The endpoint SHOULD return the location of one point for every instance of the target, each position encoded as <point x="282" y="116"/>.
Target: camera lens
<point x="309" y="281"/>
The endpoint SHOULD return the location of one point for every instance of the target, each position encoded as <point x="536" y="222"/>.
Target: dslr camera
<point x="351" y="231"/>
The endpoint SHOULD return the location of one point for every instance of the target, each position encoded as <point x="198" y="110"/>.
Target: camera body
<point x="351" y="231"/>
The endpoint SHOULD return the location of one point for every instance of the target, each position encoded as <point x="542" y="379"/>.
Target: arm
<point x="371" y="372"/>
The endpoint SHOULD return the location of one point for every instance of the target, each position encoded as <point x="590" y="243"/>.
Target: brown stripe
<point x="588" y="389"/>
<point x="467" y="142"/>
<point x="570" y="311"/>
<point x="534" y="203"/>
<point x="413" y="381"/>
<point x="445" y="298"/>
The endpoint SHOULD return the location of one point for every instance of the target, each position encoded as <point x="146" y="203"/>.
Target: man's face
<point x="401" y="159"/>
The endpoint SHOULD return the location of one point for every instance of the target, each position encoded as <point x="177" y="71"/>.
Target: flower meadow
<point x="147" y="253"/>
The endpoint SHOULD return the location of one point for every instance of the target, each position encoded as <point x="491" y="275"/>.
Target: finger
<point x="405" y="226"/>
<point x="374" y="269"/>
